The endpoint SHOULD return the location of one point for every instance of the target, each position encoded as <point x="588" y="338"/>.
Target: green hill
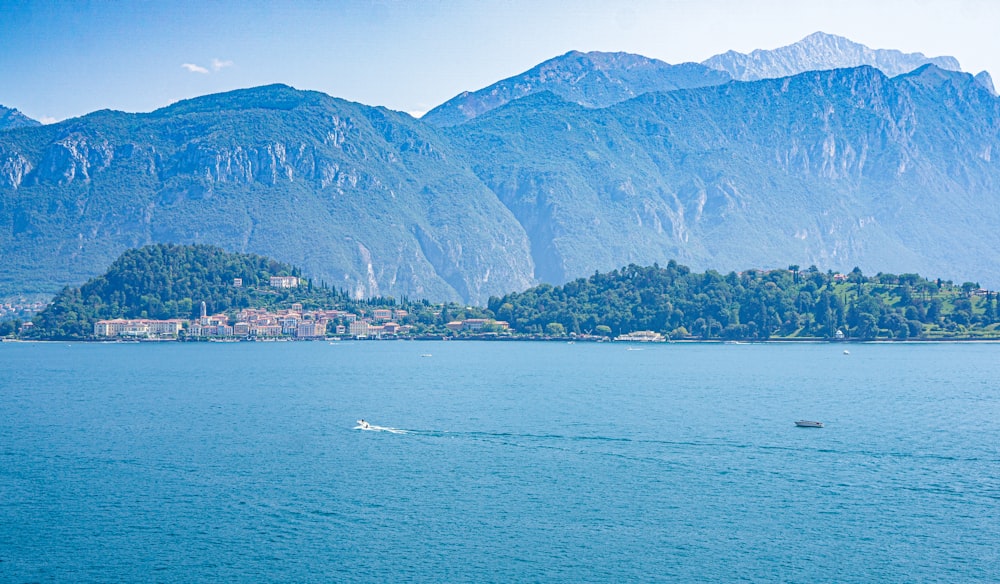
<point x="171" y="281"/>
<point x="753" y="305"/>
<point x="166" y="281"/>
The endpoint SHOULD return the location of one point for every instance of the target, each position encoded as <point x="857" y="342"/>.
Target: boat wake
<point x="363" y="425"/>
<point x="653" y="450"/>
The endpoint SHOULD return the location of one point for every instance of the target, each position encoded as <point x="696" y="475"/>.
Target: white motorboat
<point x="808" y="424"/>
<point x="363" y="425"/>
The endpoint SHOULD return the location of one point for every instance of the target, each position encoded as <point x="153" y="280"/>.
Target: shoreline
<point x="567" y="340"/>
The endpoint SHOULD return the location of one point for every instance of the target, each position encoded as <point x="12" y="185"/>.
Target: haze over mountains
<point x="587" y="162"/>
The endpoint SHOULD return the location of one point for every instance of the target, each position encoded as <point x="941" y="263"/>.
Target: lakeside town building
<point x="478" y="324"/>
<point x="291" y="323"/>
<point x="642" y="337"/>
<point x="139" y="328"/>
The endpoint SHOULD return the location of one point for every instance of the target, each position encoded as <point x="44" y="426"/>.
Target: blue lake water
<point x="520" y="462"/>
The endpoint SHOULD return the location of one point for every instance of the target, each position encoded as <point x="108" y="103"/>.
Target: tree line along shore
<point x="190" y="284"/>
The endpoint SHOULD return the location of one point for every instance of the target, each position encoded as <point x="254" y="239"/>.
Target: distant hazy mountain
<point x="11" y="119"/>
<point x="819" y="52"/>
<point x="592" y="80"/>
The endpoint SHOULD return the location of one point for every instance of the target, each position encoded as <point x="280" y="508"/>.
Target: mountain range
<point x="587" y="162"/>
<point x="596" y="80"/>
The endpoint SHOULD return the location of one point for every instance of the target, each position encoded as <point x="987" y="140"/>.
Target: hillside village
<point x="291" y="323"/>
<point x="21" y="310"/>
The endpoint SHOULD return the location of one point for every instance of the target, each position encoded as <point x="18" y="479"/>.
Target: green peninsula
<point x="755" y="305"/>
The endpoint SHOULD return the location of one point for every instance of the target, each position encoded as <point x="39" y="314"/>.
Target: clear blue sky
<point x="64" y="59"/>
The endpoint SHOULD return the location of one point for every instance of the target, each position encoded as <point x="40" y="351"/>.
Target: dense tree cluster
<point x="752" y="305"/>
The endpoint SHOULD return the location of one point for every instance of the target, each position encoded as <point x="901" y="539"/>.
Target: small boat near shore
<point x="808" y="424"/>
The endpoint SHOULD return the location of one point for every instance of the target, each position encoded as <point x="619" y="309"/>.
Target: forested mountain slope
<point x="369" y="199"/>
<point x="838" y="168"/>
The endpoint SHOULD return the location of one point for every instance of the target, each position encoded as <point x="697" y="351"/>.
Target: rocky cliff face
<point x="73" y="158"/>
<point x="819" y="52"/>
<point x="13" y="168"/>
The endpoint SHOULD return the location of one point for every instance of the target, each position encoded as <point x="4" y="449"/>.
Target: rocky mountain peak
<point x="821" y="51"/>
<point x="984" y="79"/>
<point x="593" y="80"/>
<point x="11" y="119"/>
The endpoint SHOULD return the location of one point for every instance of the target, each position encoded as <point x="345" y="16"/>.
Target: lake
<point x="513" y="462"/>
